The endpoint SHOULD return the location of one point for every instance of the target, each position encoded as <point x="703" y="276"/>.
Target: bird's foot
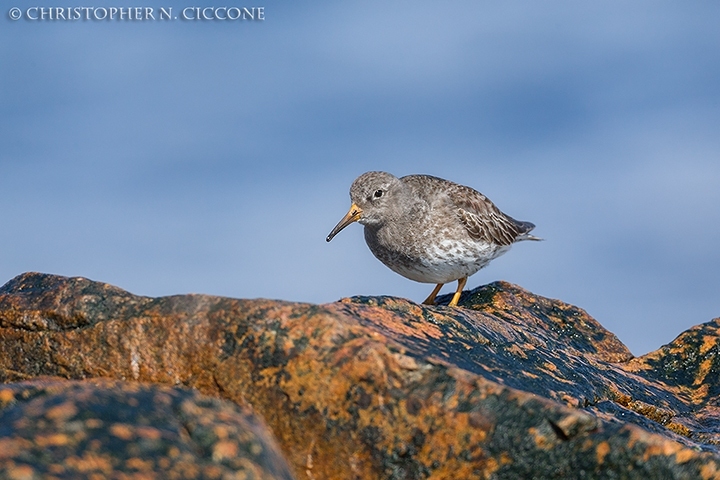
<point x="458" y="292"/>
<point x="431" y="299"/>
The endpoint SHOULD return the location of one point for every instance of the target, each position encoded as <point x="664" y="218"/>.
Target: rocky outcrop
<point x="54" y="428"/>
<point x="510" y="385"/>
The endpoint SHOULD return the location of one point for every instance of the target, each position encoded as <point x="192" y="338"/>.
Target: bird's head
<point x="371" y="195"/>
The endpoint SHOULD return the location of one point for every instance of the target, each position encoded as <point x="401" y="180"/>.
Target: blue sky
<point x="170" y="157"/>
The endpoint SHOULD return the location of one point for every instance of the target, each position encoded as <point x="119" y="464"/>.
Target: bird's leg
<point x="458" y="292"/>
<point x="431" y="299"/>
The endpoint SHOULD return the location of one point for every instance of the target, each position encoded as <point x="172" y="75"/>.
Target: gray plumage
<point x="429" y="229"/>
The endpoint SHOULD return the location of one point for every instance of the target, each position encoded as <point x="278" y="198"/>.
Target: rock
<point x="53" y="428"/>
<point x="512" y="385"/>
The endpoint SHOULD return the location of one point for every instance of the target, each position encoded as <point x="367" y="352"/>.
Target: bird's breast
<point x="430" y="255"/>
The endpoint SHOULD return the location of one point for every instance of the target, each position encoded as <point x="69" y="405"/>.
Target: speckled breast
<point x="427" y="257"/>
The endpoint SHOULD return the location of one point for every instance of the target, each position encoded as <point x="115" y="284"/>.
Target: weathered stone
<point x="54" y="428"/>
<point x="513" y="385"/>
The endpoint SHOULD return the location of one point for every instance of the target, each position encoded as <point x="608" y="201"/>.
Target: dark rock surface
<point x="54" y="428"/>
<point x="511" y="385"/>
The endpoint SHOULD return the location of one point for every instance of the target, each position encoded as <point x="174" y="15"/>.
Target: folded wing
<point x="484" y="221"/>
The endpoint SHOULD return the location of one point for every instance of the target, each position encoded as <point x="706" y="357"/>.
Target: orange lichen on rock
<point x="73" y="433"/>
<point x="602" y="449"/>
<point x="508" y="385"/>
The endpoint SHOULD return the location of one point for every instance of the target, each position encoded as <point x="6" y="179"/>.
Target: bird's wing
<point x="483" y="220"/>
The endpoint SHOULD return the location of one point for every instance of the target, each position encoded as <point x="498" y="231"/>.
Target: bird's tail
<point x="525" y="228"/>
<point x="527" y="236"/>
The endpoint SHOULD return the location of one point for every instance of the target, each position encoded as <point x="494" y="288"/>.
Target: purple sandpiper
<point x="428" y="229"/>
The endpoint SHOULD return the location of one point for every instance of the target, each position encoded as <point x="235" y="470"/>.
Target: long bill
<point x="353" y="215"/>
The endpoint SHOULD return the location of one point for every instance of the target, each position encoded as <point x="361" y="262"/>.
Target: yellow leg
<point x="458" y="292"/>
<point x="431" y="299"/>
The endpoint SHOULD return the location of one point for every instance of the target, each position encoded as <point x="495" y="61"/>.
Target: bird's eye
<point x="378" y="193"/>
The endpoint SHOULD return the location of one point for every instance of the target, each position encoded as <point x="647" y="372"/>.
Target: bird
<point x="429" y="229"/>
